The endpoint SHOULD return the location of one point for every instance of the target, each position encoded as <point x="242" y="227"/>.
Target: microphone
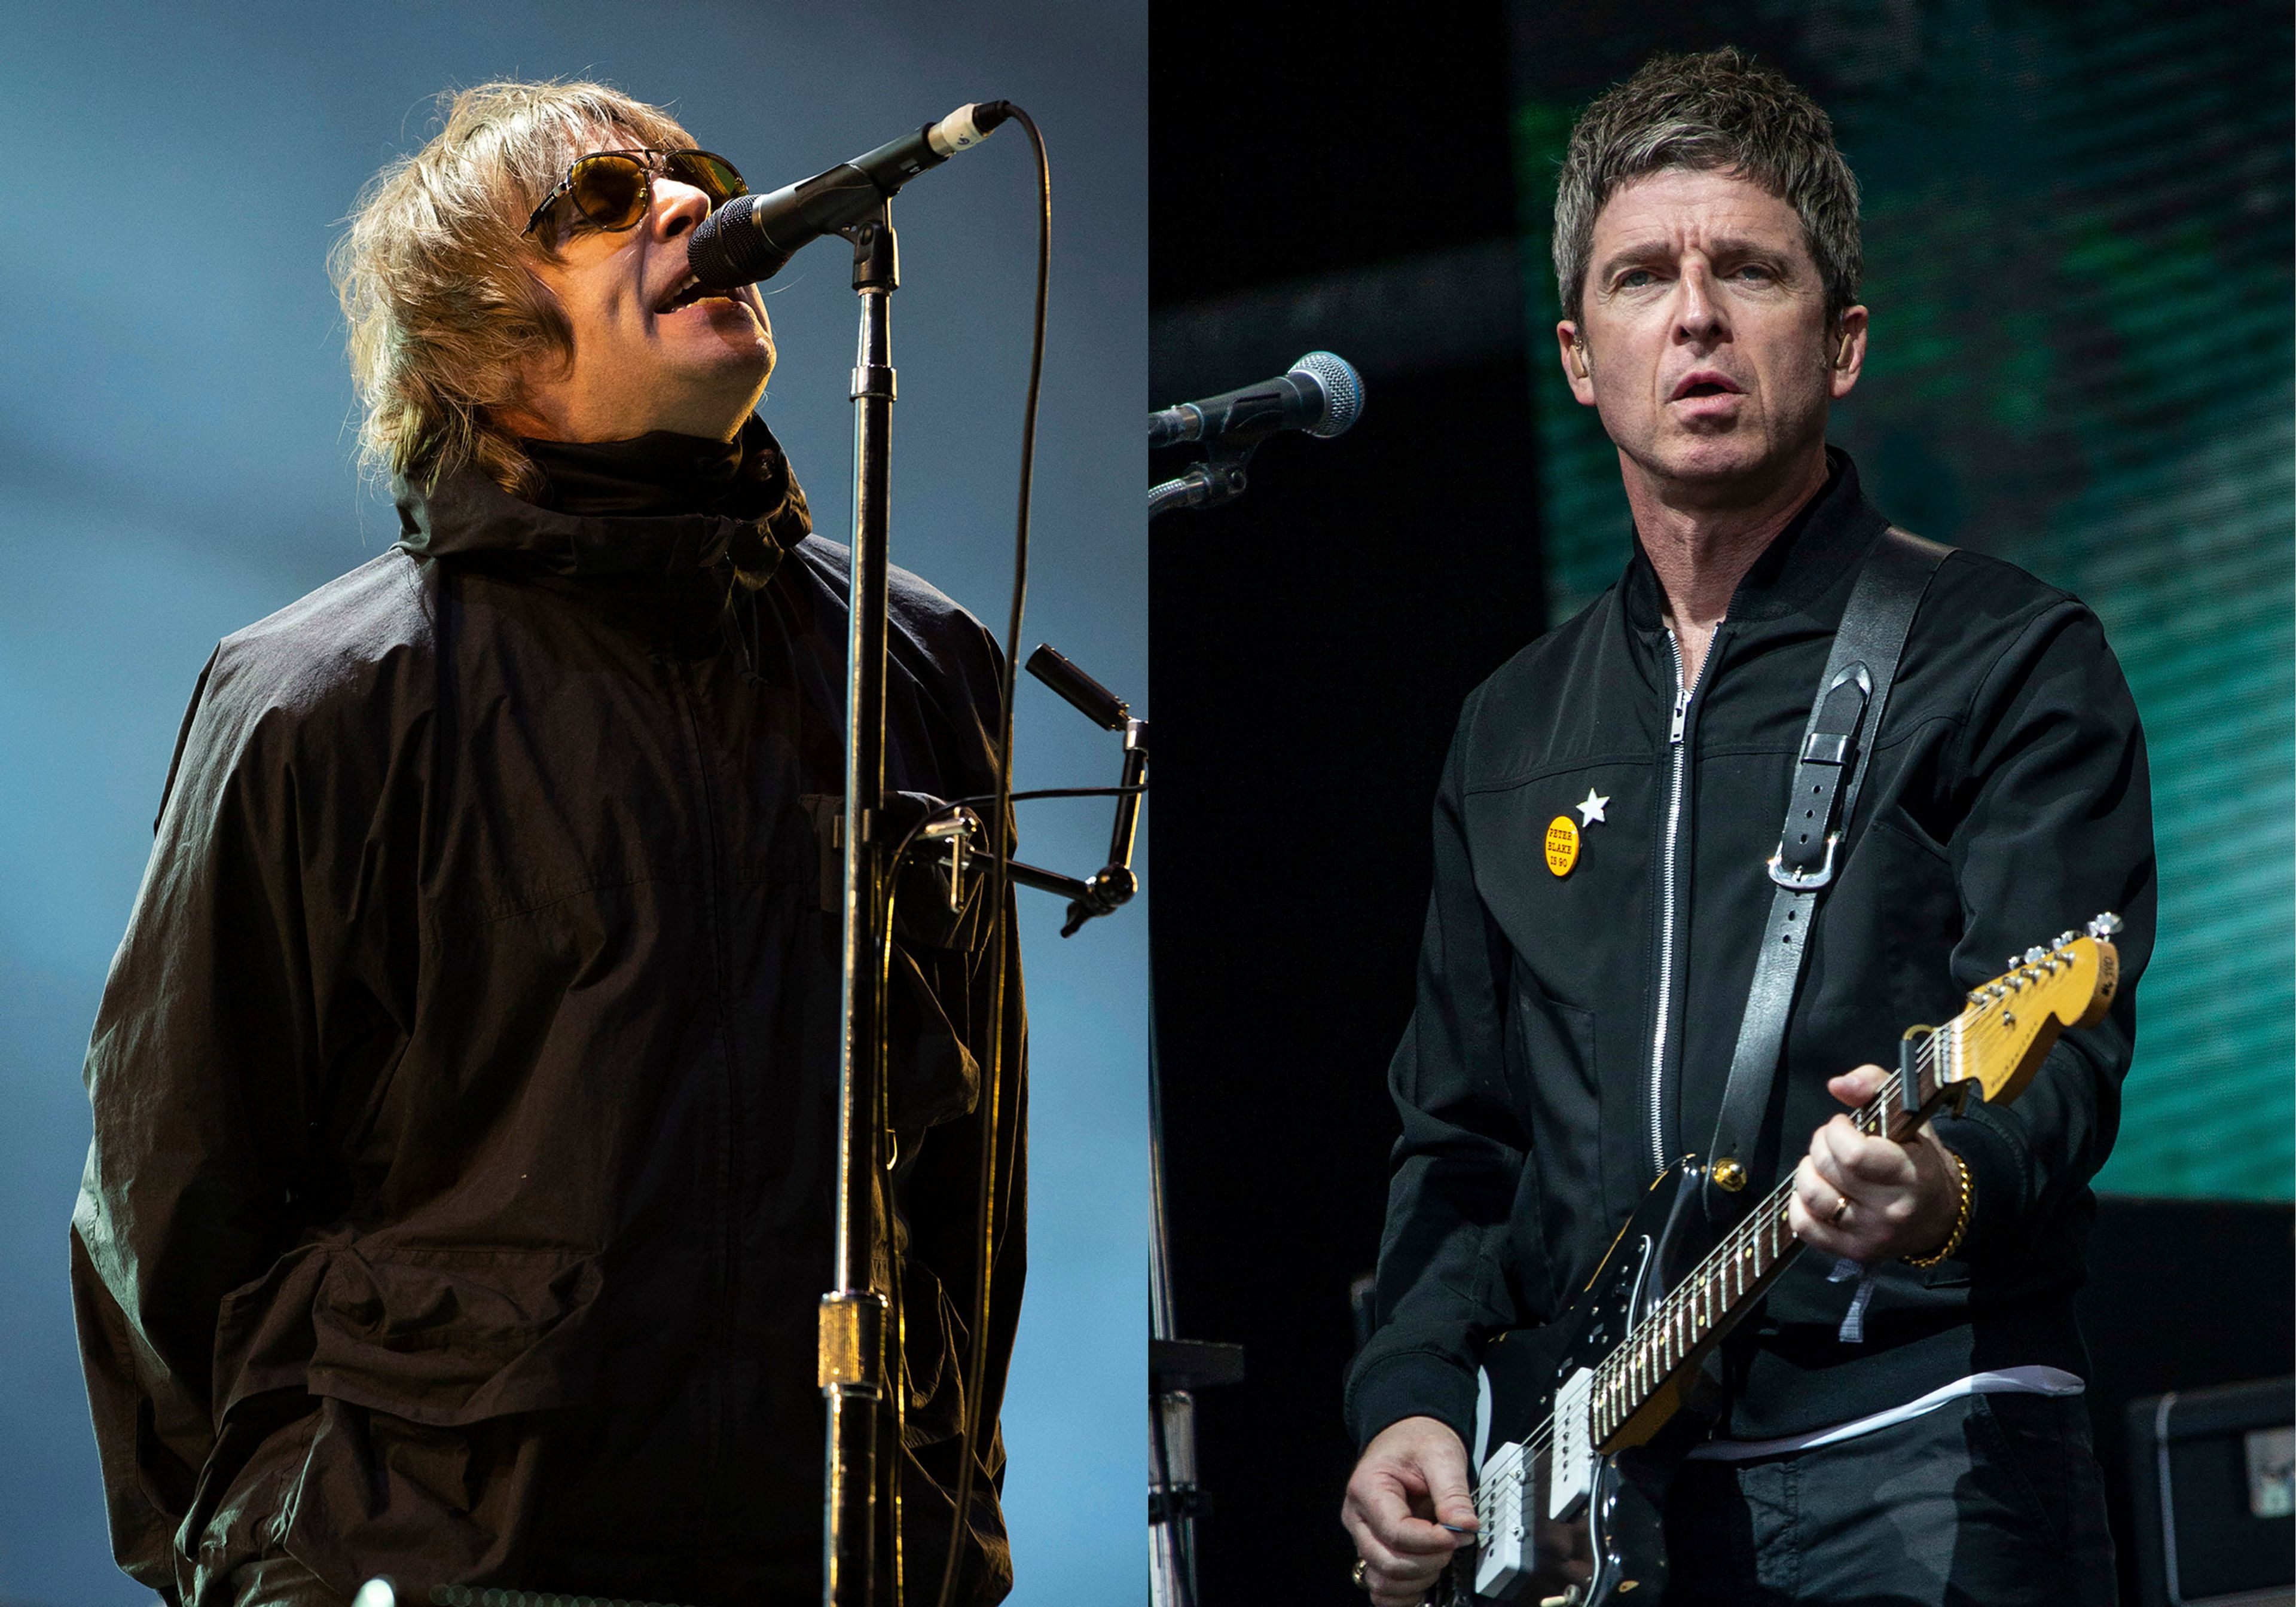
<point x="1321" y="394"/>
<point x="751" y="237"/>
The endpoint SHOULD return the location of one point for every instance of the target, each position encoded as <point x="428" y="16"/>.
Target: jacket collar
<point x="1808" y="560"/>
<point x="469" y="517"/>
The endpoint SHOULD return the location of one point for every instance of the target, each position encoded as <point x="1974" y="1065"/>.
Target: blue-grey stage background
<point x="176" y="460"/>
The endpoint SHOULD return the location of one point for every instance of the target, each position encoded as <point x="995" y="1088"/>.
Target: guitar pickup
<point x="1570" y="1476"/>
<point x="1504" y="1553"/>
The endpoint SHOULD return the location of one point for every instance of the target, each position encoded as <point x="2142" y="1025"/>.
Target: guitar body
<point x="1582" y="1423"/>
<point x="1614" y="1545"/>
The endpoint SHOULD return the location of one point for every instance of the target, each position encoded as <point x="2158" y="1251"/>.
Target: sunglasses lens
<point x="713" y="176"/>
<point x="610" y="191"/>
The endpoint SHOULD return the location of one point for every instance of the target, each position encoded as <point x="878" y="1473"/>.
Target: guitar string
<point x="1766" y="1217"/>
<point x="1962" y="1033"/>
<point x="1616" y="1367"/>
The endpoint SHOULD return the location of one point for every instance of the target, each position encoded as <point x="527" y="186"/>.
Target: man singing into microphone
<point x="466" y="1085"/>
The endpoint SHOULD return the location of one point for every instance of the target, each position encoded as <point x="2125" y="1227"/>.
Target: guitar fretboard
<point x="1736" y="1269"/>
<point x="1991" y="1048"/>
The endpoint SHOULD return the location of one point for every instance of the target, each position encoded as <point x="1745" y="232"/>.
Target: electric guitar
<point x="1581" y="1422"/>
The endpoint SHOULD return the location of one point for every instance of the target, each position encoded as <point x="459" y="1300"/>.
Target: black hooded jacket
<point x="464" y="1087"/>
<point x="1540" y="1089"/>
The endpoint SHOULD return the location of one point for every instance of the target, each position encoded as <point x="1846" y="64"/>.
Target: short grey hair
<point x="1719" y="111"/>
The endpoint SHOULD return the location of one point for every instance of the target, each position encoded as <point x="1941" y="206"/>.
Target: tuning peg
<point x="2104" y="925"/>
<point x="2065" y="937"/>
<point x="2033" y="955"/>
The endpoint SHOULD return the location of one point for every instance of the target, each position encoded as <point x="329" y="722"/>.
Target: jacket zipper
<point x="1670" y="883"/>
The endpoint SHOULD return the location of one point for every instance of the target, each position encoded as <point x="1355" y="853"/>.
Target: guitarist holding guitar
<point x="1663" y="1044"/>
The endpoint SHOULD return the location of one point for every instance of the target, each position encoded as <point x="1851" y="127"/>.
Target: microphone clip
<point x="1220" y="478"/>
<point x="876" y="248"/>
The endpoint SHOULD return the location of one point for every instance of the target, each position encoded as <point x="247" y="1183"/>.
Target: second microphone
<point x="1321" y="394"/>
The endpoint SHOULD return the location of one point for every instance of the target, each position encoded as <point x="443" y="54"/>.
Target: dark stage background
<point x="1310" y="645"/>
<point x="2077" y="229"/>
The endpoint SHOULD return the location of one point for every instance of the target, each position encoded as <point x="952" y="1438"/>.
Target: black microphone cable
<point x="1000" y="885"/>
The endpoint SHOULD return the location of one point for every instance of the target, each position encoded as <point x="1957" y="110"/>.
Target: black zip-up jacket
<point x="466" y="1085"/>
<point x="1541" y="1084"/>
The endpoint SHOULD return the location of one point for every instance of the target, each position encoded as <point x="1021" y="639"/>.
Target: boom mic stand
<point x="1234" y="424"/>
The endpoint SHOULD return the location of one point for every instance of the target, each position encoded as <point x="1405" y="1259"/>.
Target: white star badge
<point x="1591" y="810"/>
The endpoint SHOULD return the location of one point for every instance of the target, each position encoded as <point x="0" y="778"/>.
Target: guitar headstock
<point x="2000" y="1040"/>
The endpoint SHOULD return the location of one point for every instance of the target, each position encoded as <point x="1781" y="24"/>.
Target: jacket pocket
<point x="1554" y="1050"/>
<point x="447" y="1337"/>
<point x="407" y="1383"/>
<point x="1556" y="1088"/>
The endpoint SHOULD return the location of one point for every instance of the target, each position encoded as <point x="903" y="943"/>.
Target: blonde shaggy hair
<point x="443" y="308"/>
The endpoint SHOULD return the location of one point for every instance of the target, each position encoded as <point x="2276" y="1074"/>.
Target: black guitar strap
<point x="1845" y="722"/>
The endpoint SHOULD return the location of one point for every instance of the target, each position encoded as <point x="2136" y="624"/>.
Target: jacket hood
<point x="757" y="518"/>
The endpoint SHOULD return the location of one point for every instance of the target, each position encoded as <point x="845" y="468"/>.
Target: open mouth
<point x="1704" y="385"/>
<point x="686" y="292"/>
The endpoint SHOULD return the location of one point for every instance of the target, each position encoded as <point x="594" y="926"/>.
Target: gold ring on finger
<point x="1839" y="1211"/>
<point x="1362" y="1565"/>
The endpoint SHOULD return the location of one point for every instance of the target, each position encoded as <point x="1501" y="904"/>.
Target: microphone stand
<point x="858" y="1455"/>
<point x="861" y="1504"/>
<point x="1176" y="1369"/>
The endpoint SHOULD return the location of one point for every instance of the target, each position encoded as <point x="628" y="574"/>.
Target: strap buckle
<point x="1798" y="881"/>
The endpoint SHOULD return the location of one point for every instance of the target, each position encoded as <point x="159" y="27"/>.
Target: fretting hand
<point x="1901" y="1199"/>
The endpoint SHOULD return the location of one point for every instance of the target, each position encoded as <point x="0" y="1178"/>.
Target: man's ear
<point x="1848" y="359"/>
<point x="1577" y="363"/>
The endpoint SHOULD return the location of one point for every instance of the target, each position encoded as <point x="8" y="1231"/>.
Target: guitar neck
<point x="1701" y="1310"/>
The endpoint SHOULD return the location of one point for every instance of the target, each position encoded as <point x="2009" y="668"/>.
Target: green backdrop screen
<point x="2077" y="258"/>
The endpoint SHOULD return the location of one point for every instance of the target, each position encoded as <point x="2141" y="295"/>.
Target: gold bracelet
<point x="1960" y="1219"/>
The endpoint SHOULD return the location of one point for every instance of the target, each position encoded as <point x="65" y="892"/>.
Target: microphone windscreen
<point x="1342" y="388"/>
<point x="726" y="253"/>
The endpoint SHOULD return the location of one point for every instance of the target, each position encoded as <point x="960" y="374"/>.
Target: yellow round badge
<point x="1562" y="844"/>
